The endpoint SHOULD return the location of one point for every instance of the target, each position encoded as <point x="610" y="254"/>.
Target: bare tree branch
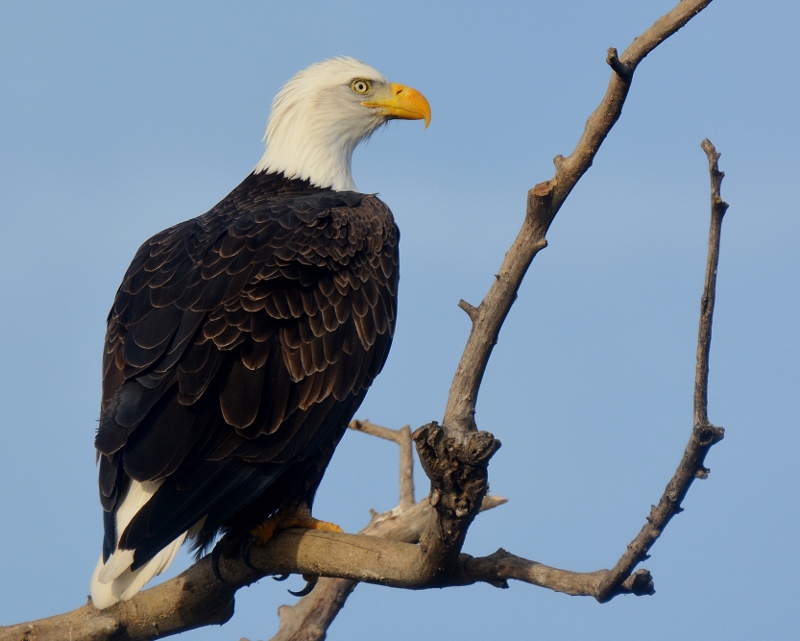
<point x="603" y="584"/>
<point x="454" y="455"/>
<point x="704" y="435"/>
<point x="448" y="452"/>
<point x="310" y="617"/>
<point x="718" y="209"/>
<point x="500" y="566"/>
<point x="403" y="438"/>
<point x="544" y="201"/>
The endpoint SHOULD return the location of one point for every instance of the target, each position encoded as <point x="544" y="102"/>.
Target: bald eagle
<point x="241" y="342"/>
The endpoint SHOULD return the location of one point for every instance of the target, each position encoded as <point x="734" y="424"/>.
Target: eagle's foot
<point x="284" y="519"/>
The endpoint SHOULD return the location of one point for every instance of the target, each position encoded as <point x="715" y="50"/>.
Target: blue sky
<point x="120" y="119"/>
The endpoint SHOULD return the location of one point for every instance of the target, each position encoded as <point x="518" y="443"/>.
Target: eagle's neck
<point x="324" y="161"/>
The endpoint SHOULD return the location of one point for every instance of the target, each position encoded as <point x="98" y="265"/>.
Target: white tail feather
<point x="114" y="580"/>
<point x="123" y="586"/>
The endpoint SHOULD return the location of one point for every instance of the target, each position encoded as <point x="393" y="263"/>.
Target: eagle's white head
<point x="321" y="114"/>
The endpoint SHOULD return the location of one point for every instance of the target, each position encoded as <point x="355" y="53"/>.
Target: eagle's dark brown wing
<point x="239" y="346"/>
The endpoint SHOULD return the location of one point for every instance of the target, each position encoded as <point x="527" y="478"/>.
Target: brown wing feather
<point x="249" y="334"/>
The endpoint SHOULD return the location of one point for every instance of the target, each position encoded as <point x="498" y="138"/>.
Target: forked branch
<point x="544" y="202"/>
<point x="310" y="617"/>
<point x="458" y="436"/>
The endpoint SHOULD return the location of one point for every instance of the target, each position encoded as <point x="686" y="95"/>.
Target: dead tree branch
<point x="718" y="209"/>
<point x="310" y="617"/>
<point x="403" y="439"/>
<point x="457" y="451"/>
<point x="455" y="455"/>
<point x="495" y="569"/>
<point x="704" y="435"/>
<point x="544" y="202"/>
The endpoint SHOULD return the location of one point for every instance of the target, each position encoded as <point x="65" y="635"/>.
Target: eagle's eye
<point x="360" y="86"/>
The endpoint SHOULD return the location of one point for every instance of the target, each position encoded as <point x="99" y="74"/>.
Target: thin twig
<point x="718" y="209"/>
<point x="704" y="434"/>
<point x="622" y="70"/>
<point x="403" y="438"/>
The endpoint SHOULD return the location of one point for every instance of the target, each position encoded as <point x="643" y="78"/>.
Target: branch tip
<point x="545" y="188"/>
<point x="711" y="151"/>
<point x="640" y="583"/>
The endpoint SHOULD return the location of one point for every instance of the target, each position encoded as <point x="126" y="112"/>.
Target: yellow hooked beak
<point x="402" y="102"/>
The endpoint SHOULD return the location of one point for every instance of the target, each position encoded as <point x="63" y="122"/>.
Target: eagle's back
<point x="239" y="345"/>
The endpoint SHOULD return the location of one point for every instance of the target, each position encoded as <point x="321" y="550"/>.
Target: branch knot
<point x="457" y="465"/>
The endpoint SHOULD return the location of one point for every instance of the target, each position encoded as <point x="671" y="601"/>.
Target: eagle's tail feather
<point x="124" y="585"/>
